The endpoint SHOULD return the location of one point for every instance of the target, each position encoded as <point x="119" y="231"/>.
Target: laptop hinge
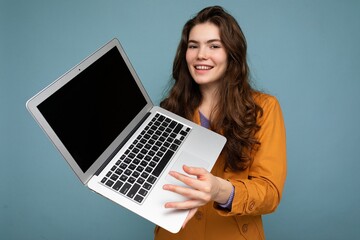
<point x="122" y="144"/>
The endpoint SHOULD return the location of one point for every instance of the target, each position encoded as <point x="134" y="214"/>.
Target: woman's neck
<point x="209" y="101"/>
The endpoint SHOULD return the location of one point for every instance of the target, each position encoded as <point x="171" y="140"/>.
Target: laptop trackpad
<point x="187" y="159"/>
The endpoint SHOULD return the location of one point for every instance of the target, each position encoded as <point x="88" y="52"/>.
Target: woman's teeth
<point x="203" y="67"/>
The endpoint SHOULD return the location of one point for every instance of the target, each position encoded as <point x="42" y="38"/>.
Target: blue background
<point x="306" y="53"/>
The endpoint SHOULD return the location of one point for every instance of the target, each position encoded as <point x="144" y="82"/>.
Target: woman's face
<point x="206" y="56"/>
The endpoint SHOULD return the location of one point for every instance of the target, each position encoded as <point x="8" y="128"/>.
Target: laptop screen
<point x="91" y="110"/>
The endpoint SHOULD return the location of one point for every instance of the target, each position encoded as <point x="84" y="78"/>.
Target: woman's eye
<point x="215" y="46"/>
<point x="192" y="46"/>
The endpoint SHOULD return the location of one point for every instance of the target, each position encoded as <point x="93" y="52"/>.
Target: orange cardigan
<point x="258" y="189"/>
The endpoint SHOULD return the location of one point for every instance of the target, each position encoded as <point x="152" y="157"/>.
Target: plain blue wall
<point x="304" y="52"/>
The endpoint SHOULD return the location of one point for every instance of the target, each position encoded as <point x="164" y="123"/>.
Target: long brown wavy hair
<point x="235" y="115"/>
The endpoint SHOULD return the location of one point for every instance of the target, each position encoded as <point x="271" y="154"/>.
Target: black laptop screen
<point x="91" y="110"/>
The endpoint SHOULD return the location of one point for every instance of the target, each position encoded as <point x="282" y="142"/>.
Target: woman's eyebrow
<point x="208" y="41"/>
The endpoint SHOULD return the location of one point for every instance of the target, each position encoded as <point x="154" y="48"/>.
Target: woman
<point x="211" y="87"/>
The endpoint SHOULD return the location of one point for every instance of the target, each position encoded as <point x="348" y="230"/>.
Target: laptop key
<point x="125" y="188"/>
<point x="173" y="147"/>
<point x="114" y="177"/>
<point x="147" y="186"/>
<point x="140" y="180"/>
<point x="164" y="161"/>
<point x="117" y="185"/>
<point x="139" y="168"/>
<point x="143" y="192"/>
<point x="178" y="128"/>
<point x="182" y="132"/>
<point x="138" y="198"/>
<point x="136" y="174"/>
<point x="133" y="191"/>
<point x="144" y="174"/>
<point x="109" y="183"/>
<point x="118" y="171"/>
<point x="172" y="124"/>
<point x="131" y="180"/>
<point x="161" y="118"/>
<point x="151" y="179"/>
<point x="148" y="169"/>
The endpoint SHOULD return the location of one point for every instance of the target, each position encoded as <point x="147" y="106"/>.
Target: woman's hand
<point x="202" y="189"/>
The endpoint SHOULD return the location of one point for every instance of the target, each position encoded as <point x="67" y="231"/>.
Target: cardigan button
<point x="244" y="228"/>
<point x="251" y="205"/>
<point x="198" y="215"/>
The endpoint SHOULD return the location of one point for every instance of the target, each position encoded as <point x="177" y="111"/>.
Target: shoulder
<point x="265" y="101"/>
<point x="270" y="105"/>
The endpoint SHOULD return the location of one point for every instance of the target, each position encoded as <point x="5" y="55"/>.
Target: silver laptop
<point x="100" y="118"/>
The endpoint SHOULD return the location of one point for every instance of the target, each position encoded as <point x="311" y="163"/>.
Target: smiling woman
<point x="211" y="87"/>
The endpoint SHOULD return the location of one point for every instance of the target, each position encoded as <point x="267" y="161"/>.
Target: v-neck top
<point x="204" y="121"/>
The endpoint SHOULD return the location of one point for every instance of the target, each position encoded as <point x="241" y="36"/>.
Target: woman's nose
<point x="202" y="53"/>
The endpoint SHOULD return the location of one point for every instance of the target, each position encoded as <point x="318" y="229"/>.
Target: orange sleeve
<point x="260" y="192"/>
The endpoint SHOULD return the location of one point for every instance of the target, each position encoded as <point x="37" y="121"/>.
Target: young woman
<point x="211" y="87"/>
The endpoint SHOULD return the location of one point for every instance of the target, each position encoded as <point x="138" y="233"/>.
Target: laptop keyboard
<point x="137" y="170"/>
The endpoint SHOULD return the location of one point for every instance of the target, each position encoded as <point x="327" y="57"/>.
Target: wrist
<point x="225" y="191"/>
<point x="228" y="204"/>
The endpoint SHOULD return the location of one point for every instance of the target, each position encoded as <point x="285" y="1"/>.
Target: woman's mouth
<point x="203" y="67"/>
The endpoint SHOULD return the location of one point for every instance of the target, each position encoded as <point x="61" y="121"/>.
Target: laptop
<point x="101" y="119"/>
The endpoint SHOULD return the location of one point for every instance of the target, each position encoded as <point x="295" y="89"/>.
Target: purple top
<point x="206" y="123"/>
